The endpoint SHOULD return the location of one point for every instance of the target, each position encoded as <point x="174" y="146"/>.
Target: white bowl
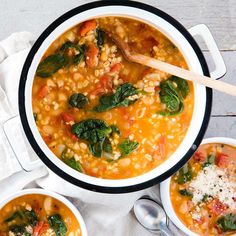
<point x="51" y="194"/>
<point x="165" y="189"/>
<point x="169" y="27"/>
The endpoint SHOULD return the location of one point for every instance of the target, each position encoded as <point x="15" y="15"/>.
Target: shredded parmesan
<point x="213" y="181"/>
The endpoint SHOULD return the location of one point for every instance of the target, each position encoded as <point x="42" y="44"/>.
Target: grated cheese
<point x="213" y="181"/>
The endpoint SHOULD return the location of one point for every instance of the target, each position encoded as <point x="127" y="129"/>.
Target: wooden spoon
<point x="170" y="69"/>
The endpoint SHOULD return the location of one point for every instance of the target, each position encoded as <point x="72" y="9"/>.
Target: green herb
<point x="119" y="99"/>
<point x="127" y="146"/>
<point x="172" y="93"/>
<point x="184" y="174"/>
<point x="100" y="35"/>
<point x="57" y="225"/>
<point x="51" y="65"/>
<point x="115" y="130"/>
<point x="19" y="230"/>
<point x="78" y="100"/>
<point x="185" y="192"/>
<point x="95" y="132"/>
<point x="209" y="161"/>
<point x="206" y="198"/>
<point x="70" y="161"/>
<point x="227" y="223"/>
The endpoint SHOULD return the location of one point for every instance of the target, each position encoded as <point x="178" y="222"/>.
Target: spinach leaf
<point x="121" y="98"/>
<point x="182" y="85"/>
<point x="57" y="225"/>
<point x="100" y="36"/>
<point x="127" y="146"/>
<point x="78" y="100"/>
<point x="79" y="57"/>
<point x="184" y="174"/>
<point x="106" y="146"/>
<point x="25" y="216"/>
<point x="51" y="65"/>
<point x="206" y="198"/>
<point x="66" y="45"/>
<point x="95" y="132"/>
<point x="70" y="161"/>
<point x="185" y="192"/>
<point x="115" y="130"/>
<point x="227" y="223"/>
<point x="172" y="93"/>
<point x="209" y="161"/>
<point x="171" y="98"/>
<point x="19" y="230"/>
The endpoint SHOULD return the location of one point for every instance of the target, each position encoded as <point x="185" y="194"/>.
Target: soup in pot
<point x="203" y="192"/>
<point x="103" y="115"/>
<point x="37" y="215"/>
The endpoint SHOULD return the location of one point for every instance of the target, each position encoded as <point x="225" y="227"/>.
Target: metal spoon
<point x="151" y="216"/>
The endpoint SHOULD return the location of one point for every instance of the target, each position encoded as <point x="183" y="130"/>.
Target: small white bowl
<point x="51" y="194"/>
<point x="165" y="189"/>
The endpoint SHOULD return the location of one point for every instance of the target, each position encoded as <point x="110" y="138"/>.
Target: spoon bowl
<point x="151" y="216"/>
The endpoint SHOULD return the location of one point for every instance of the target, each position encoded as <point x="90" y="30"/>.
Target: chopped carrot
<point x="67" y="117"/>
<point x="43" y="91"/>
<point x="87" y="26"/>
<point x="116" y="67"/>
<point x="40" y="228"/>
<point x="162" y="142"/>
<point x="91" y="55"/>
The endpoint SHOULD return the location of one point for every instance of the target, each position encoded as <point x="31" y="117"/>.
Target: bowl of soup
<point x="101" y="122"/>
<point x="201" y="197"/>
<point x="39" y="212"/>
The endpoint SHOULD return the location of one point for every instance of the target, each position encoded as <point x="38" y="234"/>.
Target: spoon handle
<point x="185" y="74"/>
<point x="164" y="229"/>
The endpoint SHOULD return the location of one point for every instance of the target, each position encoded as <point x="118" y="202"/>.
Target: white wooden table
<point x="219" y="16"/>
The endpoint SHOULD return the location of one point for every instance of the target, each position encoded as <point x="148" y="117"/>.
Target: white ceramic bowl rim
<point x="168" y="26"/>
<point x="165" y="187"/>
<point x="51" y="194"/>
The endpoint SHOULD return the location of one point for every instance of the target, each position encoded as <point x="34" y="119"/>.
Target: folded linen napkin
<point x="104" y="214"/>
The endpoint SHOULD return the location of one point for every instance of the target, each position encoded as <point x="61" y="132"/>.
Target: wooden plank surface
<point x="34" y="15"/>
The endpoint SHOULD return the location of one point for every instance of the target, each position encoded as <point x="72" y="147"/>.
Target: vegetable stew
<point x="203" y="192"/>
<point x="37" y="215"/>
<point x="102" y="115"/>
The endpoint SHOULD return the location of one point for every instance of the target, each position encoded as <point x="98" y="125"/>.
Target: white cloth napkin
<point x="104" y="214"/>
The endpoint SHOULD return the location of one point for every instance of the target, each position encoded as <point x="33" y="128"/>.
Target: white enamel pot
<point x="196" y="62"/>
<point x="60" y="198"/>
<point x="165" y="189"/>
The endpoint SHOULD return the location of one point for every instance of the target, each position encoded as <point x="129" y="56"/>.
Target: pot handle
<point x="15" y="137"/>
<point x="204" y="32"/>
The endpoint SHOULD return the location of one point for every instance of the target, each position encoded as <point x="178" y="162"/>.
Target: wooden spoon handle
<point x="185" y="74"/>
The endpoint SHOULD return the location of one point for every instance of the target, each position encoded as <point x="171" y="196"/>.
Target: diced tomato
<point x="67" y="117"/>
<point x="104" y="85"/>
<point x="222" y="160"/>
<point x="234" y="198"/>
<point x="216" y="207"/>
<point x="91" y="55"/>
<point x="47" y="138"/>
<point x="43" y="91"/>
<point x="87" y="26"/>
<point x="200" y="221"/>
<point x="40" y="228"/>
<point x="116" y="67"/>
<point x="162" y="142"/>
<point x="157" y="89"/>
<point x="199" y="157"/>
<point x="106" y="82"/>
<point x="70" y="134"/>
